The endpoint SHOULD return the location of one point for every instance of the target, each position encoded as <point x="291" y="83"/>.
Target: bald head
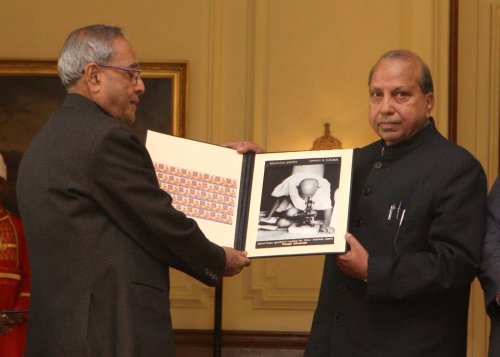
<point x="308" y="187"/>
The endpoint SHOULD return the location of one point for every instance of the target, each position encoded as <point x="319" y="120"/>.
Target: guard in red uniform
<point x="14" y="278"/>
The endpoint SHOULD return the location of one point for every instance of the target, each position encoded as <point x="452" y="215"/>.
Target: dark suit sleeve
<point x="490" y="267"/>
<point x="123" y="181"/>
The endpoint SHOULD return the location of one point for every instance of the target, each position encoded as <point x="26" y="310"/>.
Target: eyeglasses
<point x="134" y="72"/>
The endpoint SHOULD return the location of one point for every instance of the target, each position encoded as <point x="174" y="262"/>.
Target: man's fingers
<point x="244" y="146"/>
<point x="235" y="261"/>
<point x="349" y="238"/>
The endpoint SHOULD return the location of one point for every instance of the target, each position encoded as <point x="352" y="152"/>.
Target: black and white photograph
<point x="298" y="200"/>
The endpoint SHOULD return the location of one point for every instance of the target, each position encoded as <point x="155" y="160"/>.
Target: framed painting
<point x="31" y="90"/>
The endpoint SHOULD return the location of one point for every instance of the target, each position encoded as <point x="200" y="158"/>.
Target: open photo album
<point x="269" y="204"/>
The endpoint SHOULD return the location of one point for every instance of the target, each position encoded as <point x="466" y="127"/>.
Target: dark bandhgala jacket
<point x="101" y="237"/>
<point x="415" y="301"/>
<point x="490" y="269"/>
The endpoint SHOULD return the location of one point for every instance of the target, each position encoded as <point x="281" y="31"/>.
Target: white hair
<point x="86" y="45"/>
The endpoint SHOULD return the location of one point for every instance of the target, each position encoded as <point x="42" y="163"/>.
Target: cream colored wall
<point x="331" y="46"/>
<point x="478" y="118"/>
<point x="479" y="74"/>
<point x="272" y="71"/>
<point x="246" y="56"/>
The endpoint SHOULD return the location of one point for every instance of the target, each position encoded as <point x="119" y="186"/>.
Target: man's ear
<point x="92" y="77"/>
<point x="429" y="98"/>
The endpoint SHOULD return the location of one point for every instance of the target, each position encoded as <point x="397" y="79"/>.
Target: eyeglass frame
<point x="135" y="72"/>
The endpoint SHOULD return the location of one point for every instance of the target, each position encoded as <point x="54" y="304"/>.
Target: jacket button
<point x="378" y="164"/>
<point x="367" y="191"/>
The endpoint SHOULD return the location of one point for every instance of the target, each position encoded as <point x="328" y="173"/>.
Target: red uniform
<point x="14" y="281"/>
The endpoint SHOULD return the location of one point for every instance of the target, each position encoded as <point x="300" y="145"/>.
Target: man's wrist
<point x="497" y="298"/>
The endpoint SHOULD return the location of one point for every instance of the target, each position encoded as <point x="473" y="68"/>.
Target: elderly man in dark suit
<point x="101" y="233"/>
<point x="490" y="268"/>
<point x="417" y="219"/>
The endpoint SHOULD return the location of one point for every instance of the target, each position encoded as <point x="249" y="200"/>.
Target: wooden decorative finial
<point x="327" y="141"/>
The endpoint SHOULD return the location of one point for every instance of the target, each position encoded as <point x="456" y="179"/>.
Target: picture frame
<point x="31" y="90"/>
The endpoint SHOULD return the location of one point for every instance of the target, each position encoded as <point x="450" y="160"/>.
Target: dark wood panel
<point x="453" y="72"/>
<point x="199" y="343"/>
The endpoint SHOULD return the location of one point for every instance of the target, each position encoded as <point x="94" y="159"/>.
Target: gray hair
<point x="86" y="45"/>
<point x="425" y="84"/>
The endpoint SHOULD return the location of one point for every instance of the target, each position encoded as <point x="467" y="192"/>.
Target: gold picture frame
<point x="175" y="72"/>
<point x="31" y="90"/>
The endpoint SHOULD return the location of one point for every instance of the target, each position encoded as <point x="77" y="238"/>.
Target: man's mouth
<point x="389" y="125"/>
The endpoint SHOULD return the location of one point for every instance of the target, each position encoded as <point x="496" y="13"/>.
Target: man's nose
<point x="387" y="104"/>
<point x="140" y="87"/>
